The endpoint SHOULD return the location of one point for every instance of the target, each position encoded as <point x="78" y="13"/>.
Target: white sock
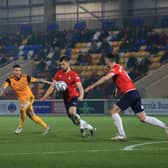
<point x="85" y="125"/>
<point x="77" y="115"/>
<point x="82" y="124"/>
<point x="154" y="121"/>
<point x="118" y="123"/>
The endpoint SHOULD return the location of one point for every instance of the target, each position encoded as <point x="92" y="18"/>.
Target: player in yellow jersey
<point x="20" y="84"/>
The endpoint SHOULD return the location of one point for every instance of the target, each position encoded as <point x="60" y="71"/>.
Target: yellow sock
<point x="22" y="118"/>
<point x="38" y="120"/>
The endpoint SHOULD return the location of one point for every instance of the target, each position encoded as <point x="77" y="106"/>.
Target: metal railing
<point x="152" y="17"/>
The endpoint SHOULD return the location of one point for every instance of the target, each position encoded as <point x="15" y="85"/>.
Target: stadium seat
<point x="127" y="54"/>
<point x="108" y="24"/>
<point x="161" y="53"/>
<point x="74" y="56"/>
<point x="52" y="27"/>
<point x="26" y="29"/>
<point x="137" y="22"/>
<point x="156" y="59"/>
<point x="63" y="51"/>
<point x="80" y="25"/>
<point x="116" y="49"/>
<point x="143" y="48"/>
<point x="154" y="66"/>
<point x="78" y="45"/>
<point x="164" y="21"/>
<point x="143" y="53"/>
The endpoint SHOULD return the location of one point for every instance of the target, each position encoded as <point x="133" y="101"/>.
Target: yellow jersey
<point x="21" y="86"/>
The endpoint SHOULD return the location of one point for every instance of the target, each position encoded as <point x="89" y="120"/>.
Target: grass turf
<point x="64" y="148"/>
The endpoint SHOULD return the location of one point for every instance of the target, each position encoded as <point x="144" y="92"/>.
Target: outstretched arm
<point x="2" y="91"/>
<point x="49" y="91"/>
<point x="3" y="88"/>
<point x="43" y="81"/>
<point x="99" y="82"/>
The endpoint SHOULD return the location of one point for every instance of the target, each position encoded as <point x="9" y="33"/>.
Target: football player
<point x="20" y="84"/>
<point x="130" y="97"/>
<point x="73" y="94"/>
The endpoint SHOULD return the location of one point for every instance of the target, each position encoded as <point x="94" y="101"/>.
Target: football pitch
<point x="63" y="147"/>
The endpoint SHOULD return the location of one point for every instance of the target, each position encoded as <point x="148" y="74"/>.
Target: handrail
<point x="111" y="14"/>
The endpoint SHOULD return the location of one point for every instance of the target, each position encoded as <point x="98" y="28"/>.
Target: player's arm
<point x="33" y="80"/>
<point x="81" y="91"/>
<point x="102" y="80"/>
<point x="44" y="81"/>
<point x="4" y="86"/>
<point x="49" y="91"/>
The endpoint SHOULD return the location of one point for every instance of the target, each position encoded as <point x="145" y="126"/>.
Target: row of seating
<point x="107" y="24"/>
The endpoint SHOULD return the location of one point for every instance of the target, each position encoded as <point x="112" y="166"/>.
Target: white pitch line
<point x="58" y="152"/>
<point x="132" y="147"/>
<point x="127" y="148"/>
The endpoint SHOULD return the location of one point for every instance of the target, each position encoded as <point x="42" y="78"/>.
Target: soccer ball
<point x="60" y="86"/>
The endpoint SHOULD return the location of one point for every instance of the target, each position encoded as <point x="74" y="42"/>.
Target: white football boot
<point x="46" y="130"/>
<point x="18" y="130"/>
<point x="119" y="138"/>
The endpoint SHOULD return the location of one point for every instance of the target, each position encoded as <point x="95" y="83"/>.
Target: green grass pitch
<point x="64" y="148"/>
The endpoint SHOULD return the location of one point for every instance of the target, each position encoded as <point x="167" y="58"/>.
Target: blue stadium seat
<point x="68" y="52"/>
<point x="113" y="38"/>
<point x="26" y="29"/>
<point x="140" y="42"/>
<point x="80" y="25"/>
<point x="35" y="48"/>
<point x="137" y="22"/>
<point x="108" y="24"/>
<point x="53" y="27"/>
<point x="164" y="21"/>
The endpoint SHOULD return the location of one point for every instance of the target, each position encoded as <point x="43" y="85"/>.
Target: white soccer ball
<point x="60" y="86"/>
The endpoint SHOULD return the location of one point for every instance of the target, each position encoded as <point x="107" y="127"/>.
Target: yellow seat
<point x="161" y="53"/>
<point x="63" y="51"/>
<point x="156" y="59"/>
<point x="127" y="54"/>
<point x="143" y="48"/>
<point x="154" y="66"/>
<point x="116" y="49"/>
<point x="78" y="45"/>
<point x="144" y="53"/>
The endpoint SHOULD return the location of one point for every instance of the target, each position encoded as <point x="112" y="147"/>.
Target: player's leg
<point x="73" y="110"/>
<point x="150" y="120"/>
<point x="74" y="116"/>
<point x="121" y="105"/>
<point x="30" y="112"/>
<point x="118" y="123"/>
<point x="73" y="113"/>
<point x="138" y="109"/>
<point x="22" y="118"/>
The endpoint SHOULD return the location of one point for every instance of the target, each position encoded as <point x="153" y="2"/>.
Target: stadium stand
<point x="139" y="48"/>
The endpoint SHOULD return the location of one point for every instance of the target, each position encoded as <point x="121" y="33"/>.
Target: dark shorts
<point x="73" y="102"/>
<point x="131" y="99"/>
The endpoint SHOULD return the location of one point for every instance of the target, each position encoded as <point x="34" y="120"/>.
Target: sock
<point x="154" y="121"/>
<point x="75" y="118"/>
<point x="38" y="120"/>
<point x="22" y="118"/>
<point x="118" y="123"/>
<point x="85" y="125"/>
<point x="82" y="122"/>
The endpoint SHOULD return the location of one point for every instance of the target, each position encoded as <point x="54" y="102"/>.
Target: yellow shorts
<point x="26" y="103"/>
